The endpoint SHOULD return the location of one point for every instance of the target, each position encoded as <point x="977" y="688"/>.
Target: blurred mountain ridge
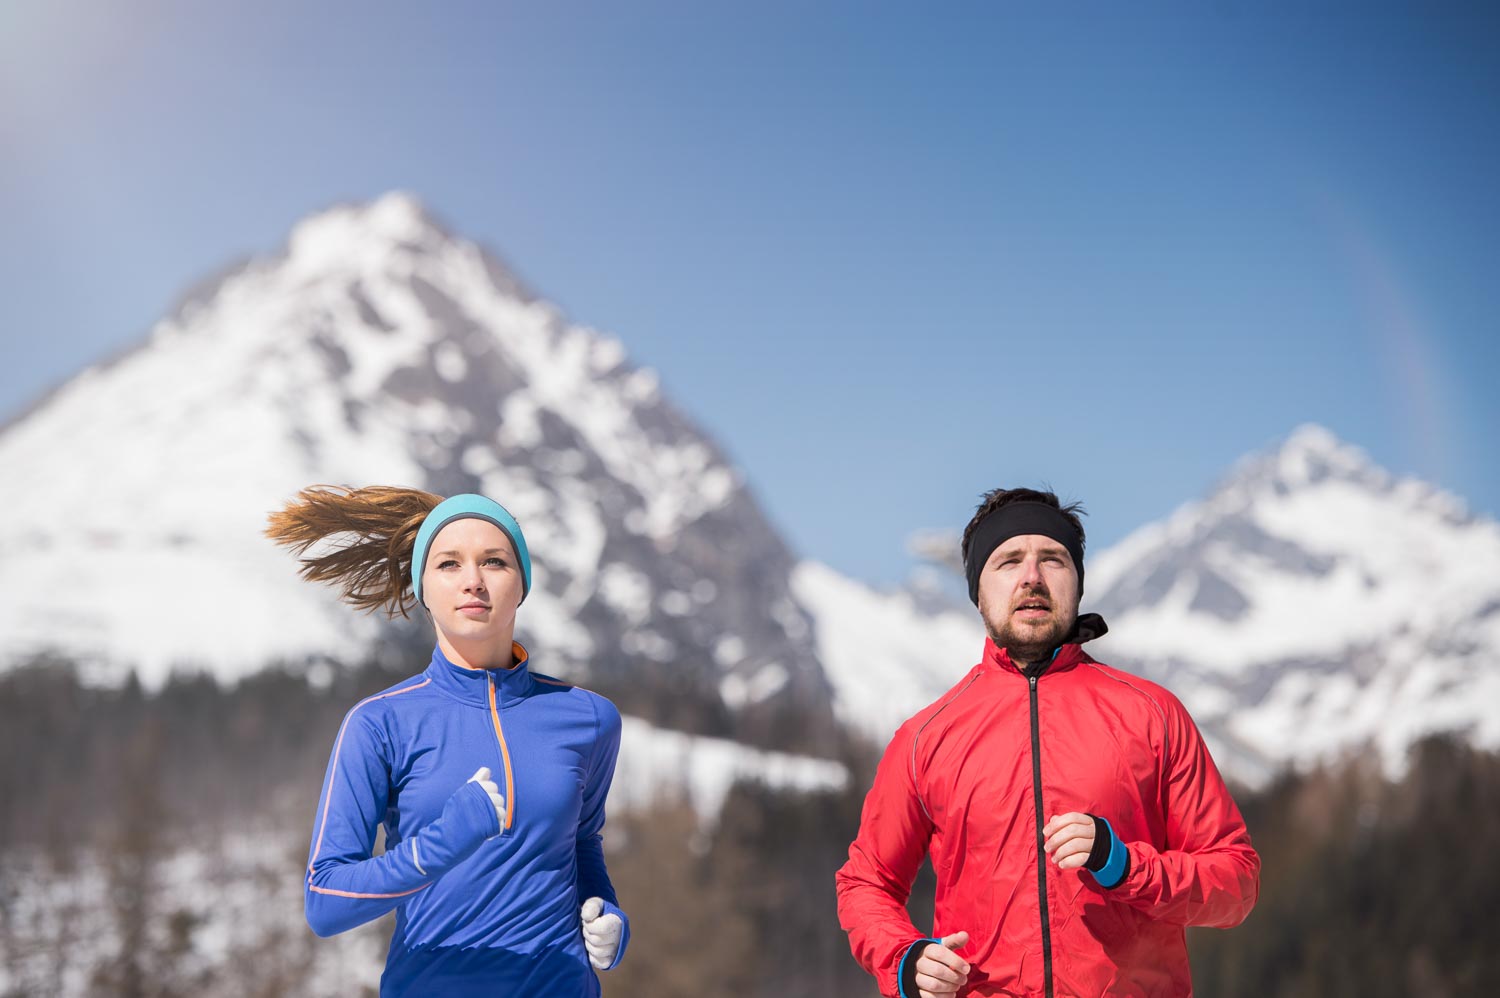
<point x="1310" y="605"/>
<point x="380" y="348"/>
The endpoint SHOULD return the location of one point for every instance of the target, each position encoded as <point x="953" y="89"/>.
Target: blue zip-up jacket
<point x="483" y="907"/>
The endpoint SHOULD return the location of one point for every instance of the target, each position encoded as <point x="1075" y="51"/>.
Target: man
<point x="1075" y="820"/>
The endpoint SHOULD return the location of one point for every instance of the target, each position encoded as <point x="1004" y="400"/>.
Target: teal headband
<point x="468" y="507"/>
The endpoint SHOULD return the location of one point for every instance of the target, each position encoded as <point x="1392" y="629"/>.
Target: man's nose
<point x="1031" y="572"/>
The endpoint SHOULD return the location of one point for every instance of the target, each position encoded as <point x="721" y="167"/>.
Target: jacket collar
<point x="472" y="686"/>
<point x="1086" y="628"/>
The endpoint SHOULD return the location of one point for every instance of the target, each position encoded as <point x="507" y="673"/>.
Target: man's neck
<point x="1032" y="660"/>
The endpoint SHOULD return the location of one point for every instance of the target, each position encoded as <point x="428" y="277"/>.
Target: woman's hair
<point x="372" y="569"/>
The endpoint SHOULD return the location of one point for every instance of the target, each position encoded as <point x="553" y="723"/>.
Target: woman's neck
<point x="478" y="654"/>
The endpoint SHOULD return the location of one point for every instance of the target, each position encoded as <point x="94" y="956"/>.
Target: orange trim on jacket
<point x="510" y="783"/>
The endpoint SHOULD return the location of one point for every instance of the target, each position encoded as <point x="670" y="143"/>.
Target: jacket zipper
<point x="1041" y="855"/>
<point x="510" y="784"/>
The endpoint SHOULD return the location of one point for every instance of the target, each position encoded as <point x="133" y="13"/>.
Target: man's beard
<point x="1024" y="641"/>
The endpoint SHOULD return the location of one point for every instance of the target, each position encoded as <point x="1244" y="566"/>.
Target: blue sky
<point x="887" y="255"/>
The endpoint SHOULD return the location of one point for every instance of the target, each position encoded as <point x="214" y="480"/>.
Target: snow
<point x="519" y="422"/>
<point x="608" y="354"/>
<point x="172" y="546"/>
<point x="729" y="650"/>
<point x="1388" y="557"/>
<point x="1364" y="615"/>
<point x="1368" y="621"/>
<point x="450" y="363"/>
<point x="678" y="482"/>
<point x="675" y="603"/>
<point x="1106" y="568"/>
<point x="281" y="380"/>
<point x="885" y="658"/>
<point x="243" y="892"/>
<point x="1310" y="447"/>
<point x="235" y="899"/>
<point x="789" y="616"/>
<point x="553" y="621"/>
<point x="356" y="235"/>
<point x="1369" y="633"/>
<point x="134" y="536"/>
<point x="656" y="763"/>
<point x="739" y="692"/>
<point x="649" y="644"/>
<point x="626" y="590"/>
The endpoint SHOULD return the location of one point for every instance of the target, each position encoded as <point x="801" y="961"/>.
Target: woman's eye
<point x="447" y="563"/>
<point x="496" y="561"/>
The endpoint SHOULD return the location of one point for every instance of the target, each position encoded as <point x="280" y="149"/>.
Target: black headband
<point x="1013" y="520"/>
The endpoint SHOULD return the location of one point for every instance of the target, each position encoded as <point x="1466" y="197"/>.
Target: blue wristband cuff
<point x="1116" y="866"/>
<point x="906" y="972"/>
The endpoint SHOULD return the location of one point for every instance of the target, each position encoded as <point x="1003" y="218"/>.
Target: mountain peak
<point x="380" y="347"/>
<point x="1312" y="457"/>
<point x="353" y="231"/>
<point x="1308" y="456"/>
<point x="1311" y="452"/>
<point x="1312" y="437"/>
<point x="1313" y="603"/>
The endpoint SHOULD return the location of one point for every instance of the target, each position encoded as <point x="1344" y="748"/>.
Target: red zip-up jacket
<point x="972" y="778"/>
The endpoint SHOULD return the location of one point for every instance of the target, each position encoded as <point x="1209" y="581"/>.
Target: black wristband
<point x="907" y="975"/>
<point x="1103" y="840"/>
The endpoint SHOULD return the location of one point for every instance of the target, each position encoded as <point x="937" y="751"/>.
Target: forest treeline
<point x="1370" y="886"/>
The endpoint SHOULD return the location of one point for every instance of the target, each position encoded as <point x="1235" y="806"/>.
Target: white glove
<point x="482" y="777"/>
<point x="601" y="933"/>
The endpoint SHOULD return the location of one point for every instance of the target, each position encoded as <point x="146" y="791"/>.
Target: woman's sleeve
<point x="346" y="886"/>
<point x="593" y="876"/>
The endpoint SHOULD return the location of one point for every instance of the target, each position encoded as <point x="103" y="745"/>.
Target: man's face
<point x="1028" y="596"/>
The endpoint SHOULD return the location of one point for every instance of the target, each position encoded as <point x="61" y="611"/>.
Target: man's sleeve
<point x="1208" y="874"/>
<point x="873" y="886"/>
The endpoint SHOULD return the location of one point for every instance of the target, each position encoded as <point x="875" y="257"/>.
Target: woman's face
<point x="472" y="585"/>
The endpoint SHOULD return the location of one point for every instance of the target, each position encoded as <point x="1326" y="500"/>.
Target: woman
<point x="497" y="878"/>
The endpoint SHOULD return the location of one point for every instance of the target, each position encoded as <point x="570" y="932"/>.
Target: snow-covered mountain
<point x="888" y="654"/>
<point x="1312" y="604"/>
<point x="380" y="348"/>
